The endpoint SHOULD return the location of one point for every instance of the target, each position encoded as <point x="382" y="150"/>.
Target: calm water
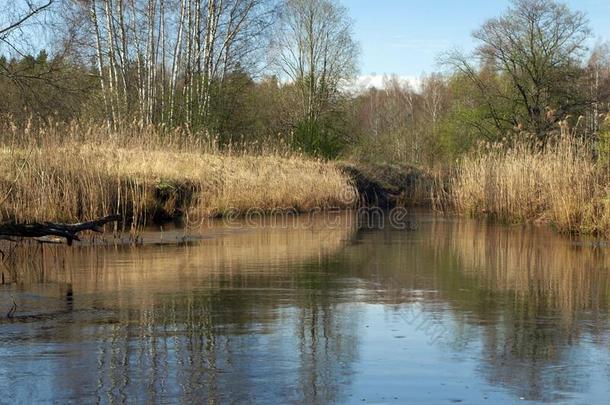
<point x="454" y="311"/>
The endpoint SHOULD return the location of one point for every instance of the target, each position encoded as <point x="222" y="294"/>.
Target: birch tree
<point x="598" y="83"/>
<point x="165" y="60"/>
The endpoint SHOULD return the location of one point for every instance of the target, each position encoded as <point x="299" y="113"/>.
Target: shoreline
<point x="75" y="182"/>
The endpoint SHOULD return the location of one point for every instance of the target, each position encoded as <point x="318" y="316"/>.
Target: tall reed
<point x="76" y="171"/>
<point x="562" y="183"/>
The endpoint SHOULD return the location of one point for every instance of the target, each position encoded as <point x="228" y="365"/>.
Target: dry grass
<point x="75" y="172"/>
<point x="561" y="184"/>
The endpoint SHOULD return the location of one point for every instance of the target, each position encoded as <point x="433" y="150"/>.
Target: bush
<point x="319" y="138"/>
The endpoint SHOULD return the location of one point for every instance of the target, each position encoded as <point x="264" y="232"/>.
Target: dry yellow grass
<point x="561" y="184"/>
<point x="71" y="173"/>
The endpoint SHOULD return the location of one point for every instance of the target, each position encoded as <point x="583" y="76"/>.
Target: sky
<point x="405" y="37"/>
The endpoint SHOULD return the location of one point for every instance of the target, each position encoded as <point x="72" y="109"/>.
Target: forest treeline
<point x="247" y="71"/>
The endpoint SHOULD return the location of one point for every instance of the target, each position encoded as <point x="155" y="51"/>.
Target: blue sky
<point x="405" y="36"/>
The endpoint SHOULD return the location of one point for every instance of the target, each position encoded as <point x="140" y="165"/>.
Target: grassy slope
<point x="72" y="179"/>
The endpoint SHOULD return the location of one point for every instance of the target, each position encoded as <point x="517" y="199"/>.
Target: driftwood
<point x="48" y="232"/>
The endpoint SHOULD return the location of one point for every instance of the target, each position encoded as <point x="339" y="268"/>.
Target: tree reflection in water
<point x="249" y="316"/>
<point x="533" y="301"/>
<point x="270" y="314"/>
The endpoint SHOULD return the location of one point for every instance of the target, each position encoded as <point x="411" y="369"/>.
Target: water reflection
<point x="209" y="321"/>
<point x="532" y="307"/>
<point x="317" y="315"/>
<point x="541" y="302"/>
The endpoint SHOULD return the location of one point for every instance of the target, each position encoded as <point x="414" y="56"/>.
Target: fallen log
<point x="45" y="231"/>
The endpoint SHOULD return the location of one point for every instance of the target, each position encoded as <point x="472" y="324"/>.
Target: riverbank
<point x="84" y="173"/>
<point x="565" y="185"/>
<point x="74" y="182"/>
<point x="76" y="172"/>
<point x="71" y="173"/>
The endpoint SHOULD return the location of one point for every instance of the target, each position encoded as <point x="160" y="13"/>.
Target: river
<point x="318" y="311"/>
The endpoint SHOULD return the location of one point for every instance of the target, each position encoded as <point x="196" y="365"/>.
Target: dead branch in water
<point x="46" y="232"/>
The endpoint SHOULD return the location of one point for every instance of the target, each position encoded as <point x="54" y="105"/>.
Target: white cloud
<point x="365" y="82"/>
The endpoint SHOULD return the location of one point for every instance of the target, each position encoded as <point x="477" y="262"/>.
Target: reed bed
<point x="563" y="184"/>
<point x="73" y="172"/>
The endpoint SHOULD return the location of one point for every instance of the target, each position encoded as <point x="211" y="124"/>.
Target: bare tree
<point x="536" y="47"/>
<point x="598" y="83"/>
<point x="154" y="55"/>
<point x="315" y="50"/>
<point x="15" y="15"/>
<point x="37" y="74"/>
<point x="100" y="61"/>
